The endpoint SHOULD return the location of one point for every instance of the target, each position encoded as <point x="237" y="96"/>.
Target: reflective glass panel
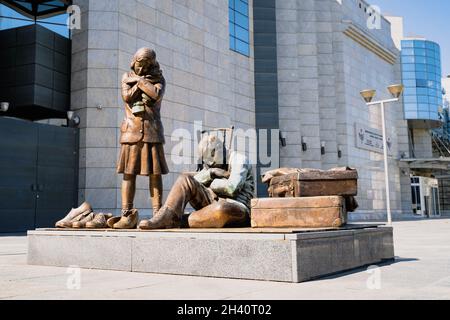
<point x="239" y="26"/>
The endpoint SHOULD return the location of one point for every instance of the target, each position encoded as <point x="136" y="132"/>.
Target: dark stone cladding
<point x="266" y="74"/>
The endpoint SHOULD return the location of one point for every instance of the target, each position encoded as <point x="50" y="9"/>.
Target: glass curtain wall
<point x="421" y="72"/>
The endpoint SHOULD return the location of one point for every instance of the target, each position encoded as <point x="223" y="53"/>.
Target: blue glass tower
<point x="421" y="73"/>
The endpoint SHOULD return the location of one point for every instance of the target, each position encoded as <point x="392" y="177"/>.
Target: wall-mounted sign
<point x="371" y="139"/>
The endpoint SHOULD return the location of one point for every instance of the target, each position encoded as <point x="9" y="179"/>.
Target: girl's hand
<point x="132" y="79"/>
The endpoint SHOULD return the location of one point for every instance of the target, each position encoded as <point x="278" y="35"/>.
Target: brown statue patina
<point x="220" y="193"/>
<point x="142" y="135"/>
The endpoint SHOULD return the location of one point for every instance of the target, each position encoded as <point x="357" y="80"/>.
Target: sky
<point x="427" y="18"/>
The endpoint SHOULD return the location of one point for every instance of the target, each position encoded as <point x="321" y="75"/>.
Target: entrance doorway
<point x="425" y="197"/>
<point x="39" y="174"/>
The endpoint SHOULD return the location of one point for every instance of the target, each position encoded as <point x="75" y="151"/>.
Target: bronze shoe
<point x="66" y="222"/>
<point x="99" y="221"/>
<point x="166" y="219"/>
<point x="112" y="221"/>
<point x="82" y="223"/>
<point x="129" y="220"/>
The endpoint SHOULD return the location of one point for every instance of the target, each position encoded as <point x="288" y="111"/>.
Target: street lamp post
<point x="368" y="95"/>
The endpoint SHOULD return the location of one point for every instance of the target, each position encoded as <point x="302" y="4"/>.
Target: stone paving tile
<point x="422" y="271"/>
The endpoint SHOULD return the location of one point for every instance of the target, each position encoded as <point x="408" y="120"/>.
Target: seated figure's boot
<point x="128" y="220"/>
<point x="112" y="221"/>
<point x="165" y="219"/>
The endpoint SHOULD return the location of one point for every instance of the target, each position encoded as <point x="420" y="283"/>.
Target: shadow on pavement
<point x="365" y="268"/>
<point x="18" y="234"/>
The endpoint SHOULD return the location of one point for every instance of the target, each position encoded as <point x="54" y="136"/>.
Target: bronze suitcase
<point x="309" y="212"/>
<point x="313" y="183"/>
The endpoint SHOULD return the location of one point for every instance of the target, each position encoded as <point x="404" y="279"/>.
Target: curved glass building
<point x="421" y="73"/>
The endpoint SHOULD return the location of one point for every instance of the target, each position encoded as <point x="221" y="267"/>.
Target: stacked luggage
<point x="306" y="198"/>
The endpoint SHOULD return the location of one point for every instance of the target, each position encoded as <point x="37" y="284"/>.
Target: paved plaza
<point x="421" y="271"/>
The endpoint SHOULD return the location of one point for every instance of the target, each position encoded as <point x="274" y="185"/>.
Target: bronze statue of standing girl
<point x="142" y="135"/>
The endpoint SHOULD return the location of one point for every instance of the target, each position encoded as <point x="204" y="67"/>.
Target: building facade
<point x="421" y="74"/>
<point x="293" y="67"/>
<point x="427" y="120"/>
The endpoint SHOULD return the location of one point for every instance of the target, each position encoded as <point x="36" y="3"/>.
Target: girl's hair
<point x="143" y="54"/>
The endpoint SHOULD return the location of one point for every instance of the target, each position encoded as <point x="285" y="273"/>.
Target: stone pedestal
<point x="286" y="255"/>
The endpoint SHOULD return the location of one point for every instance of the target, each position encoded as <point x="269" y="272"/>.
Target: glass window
<point x="410" y="115"/>
<point x="423" y="115"/>
<point x="421" y="67"/>
<point x="421" y="75"/>
<point x="409" y="83"/>
<point x="408" y="59"/>
<point x="232" y="28"/>
<point x="407" y="44"/>
<point x="422" y="99"/>
<point x="410" y="107"/>
<point x="430" y="68"/>
<point x="419" y="52"/>
<point x="241" y="33"/>
<point x="10" y="19"/>
<point x="420" y="59"/>
<point x="419" y="44"/>
<point x="432" y="84"/>
<point x="57" y="24"/>
<point x="422" y="91"/>
<point x="422" y="107"/>
<point x="429" y="45"/>
<point x="408" y="52"/>
<point x="409" y="67"/>
<point x="432" y="92"/>
<point x="421" y="83"/>
<point x="409" y="75"/>
<point x="231" y="14"/>
<point x="242" y="47"/>
<point x="232" y="43"/>
<point x="433" y="99"/>
<point x="410" y="92"/>
<point x="239" y="26"/>
<point x="241" y="6"/>
<point x="241" y="20"/>
<point x="410" y="99"/>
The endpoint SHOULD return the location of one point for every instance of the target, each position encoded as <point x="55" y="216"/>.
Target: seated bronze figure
<point x="220" y="193"/>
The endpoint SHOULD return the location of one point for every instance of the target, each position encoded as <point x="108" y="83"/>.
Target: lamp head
<point x="4" y="106"/>
<point x="283" y="138"/>
<point x="70" y="115"/>
<point x="396" y="90"/>
<point x="368" y="95"/>
<point x="73" y="118"/>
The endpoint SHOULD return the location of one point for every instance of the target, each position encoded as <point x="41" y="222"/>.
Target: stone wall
<point x="423" y="148"/>
<point x="206" y="82"/>
<point x="321" y="72"/>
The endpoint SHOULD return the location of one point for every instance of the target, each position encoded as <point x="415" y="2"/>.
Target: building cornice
<point x="358" y="35"/>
